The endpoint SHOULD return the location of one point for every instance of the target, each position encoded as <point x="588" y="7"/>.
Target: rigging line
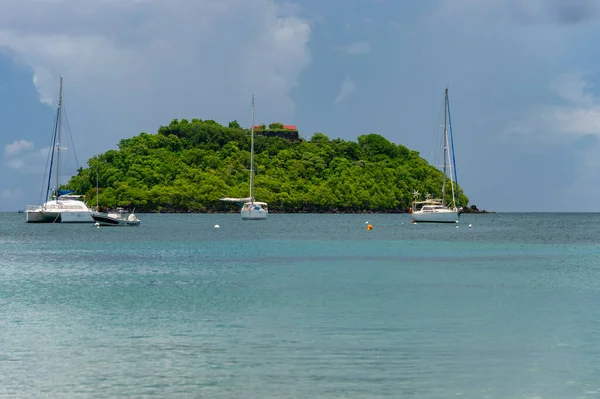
<point x="47" y="170"/>
<point x="433" y="153"/>
<point x="52" y="148"/>
<point x="453" y="156"/>
<point x="438" y="140"/>
<point x="71" y="137"/>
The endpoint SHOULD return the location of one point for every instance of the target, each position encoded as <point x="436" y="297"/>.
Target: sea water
<point x="302" y="306"/>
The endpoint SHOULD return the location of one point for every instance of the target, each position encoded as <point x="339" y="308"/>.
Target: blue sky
<point x="522" y="77"/>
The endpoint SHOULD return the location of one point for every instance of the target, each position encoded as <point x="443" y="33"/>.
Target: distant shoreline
<point x="310" y="212"/>
<point x="306" y="212"/>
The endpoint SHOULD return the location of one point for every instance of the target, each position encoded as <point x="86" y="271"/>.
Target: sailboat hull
<point x="254" y="214"/>
<point x="41" y="217"/>
<point x="448" y="216"/>
<point x="58" y="217"/>
<point x="76" y="217"/>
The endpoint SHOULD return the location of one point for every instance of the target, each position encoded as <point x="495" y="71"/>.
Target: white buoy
<point x="470" y="226"/>
<point x="367" y="222"/>
<point x="217" y="226"/>
<point x="457" y="227"/>
<point x="97" y="225"/>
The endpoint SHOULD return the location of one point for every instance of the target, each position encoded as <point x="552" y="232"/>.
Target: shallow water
<point x="302" y="306"/>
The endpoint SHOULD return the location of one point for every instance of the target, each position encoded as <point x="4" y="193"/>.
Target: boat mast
<point x="58" y="141"/>
<point x="445" y="146"/>
<point x="97" y="172"/>
<point x="252" y="156"/>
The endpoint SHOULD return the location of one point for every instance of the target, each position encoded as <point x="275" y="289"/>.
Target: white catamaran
<point x="61" y="206"/>
<point x="251" y="209"/>
<point x="436" y="210"/>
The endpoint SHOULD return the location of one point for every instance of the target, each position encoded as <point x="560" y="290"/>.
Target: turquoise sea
<point x="302" y="306"/>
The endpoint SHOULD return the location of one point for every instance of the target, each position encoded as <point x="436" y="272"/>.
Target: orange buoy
<point x="369" y="227"/>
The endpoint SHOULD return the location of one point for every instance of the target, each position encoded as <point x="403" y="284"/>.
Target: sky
<point x="522" y="78"/>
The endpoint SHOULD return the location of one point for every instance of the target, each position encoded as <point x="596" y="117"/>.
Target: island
<point x="187" y="166"/>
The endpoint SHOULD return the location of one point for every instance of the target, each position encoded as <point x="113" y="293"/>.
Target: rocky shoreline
<point x="474" y="209"/>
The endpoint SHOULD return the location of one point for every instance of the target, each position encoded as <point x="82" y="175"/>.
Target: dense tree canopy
<point x="188" y="165"/>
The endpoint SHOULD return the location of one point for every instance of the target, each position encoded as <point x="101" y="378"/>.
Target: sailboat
<point x="251" y="209"/>
<point x="436" y="210"/>
<point x="61" y="206"/>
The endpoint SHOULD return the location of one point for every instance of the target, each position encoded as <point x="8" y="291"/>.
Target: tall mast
<point x="252" y="156"/>
<point x="58" y="141"/>
<point x="97" y="173"/>
<point x="445" y="146"/>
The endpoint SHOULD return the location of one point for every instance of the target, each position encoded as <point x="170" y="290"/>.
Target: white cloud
<point x="42" y="80"/>
<point x="346" y="89"/>
<point x="22" y="157"/>
<point x="360" y="47"/>
<point x="571" y="128"/>
<point x="138" y="64"/>
<point x="16" y="163"/>
<point x="17" y="147"/>
<point x="574" y="88"/>
<point x="579" y="115"/>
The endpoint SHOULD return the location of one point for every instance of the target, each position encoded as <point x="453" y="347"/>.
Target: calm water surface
<point x="302" y="306"/>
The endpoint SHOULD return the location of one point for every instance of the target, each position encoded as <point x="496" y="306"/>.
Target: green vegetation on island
<point x="189" y="165"/>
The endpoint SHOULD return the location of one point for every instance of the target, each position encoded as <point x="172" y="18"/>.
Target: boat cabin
<point x="255" y="206"/>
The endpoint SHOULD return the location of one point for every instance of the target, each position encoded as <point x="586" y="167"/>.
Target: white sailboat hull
<point x="438" y="216"/>
<point x="67" y="211"/>
<point x="254" y="214"/>
<point x="58" y="217"/>
<point x="76" y="217"/>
